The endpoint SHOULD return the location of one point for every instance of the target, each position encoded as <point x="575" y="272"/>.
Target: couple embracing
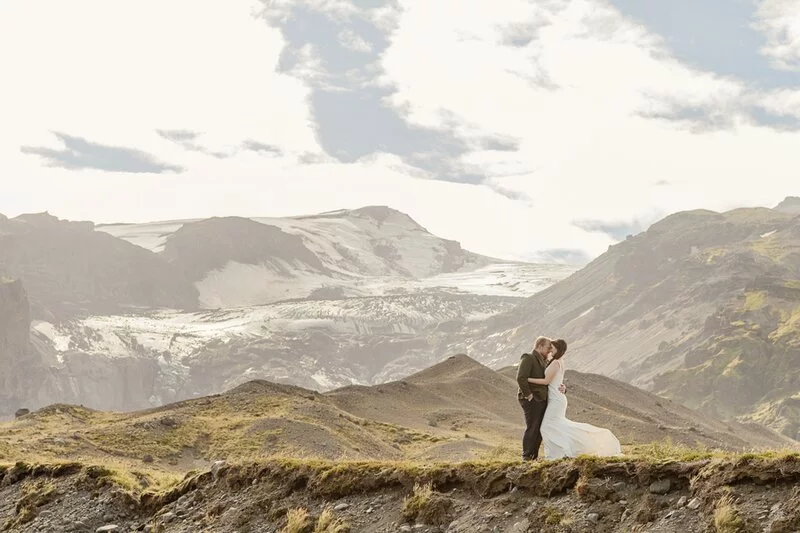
<point x="541" y="394"/>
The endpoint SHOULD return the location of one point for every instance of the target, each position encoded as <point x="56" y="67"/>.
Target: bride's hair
<point x="561" y="348"/>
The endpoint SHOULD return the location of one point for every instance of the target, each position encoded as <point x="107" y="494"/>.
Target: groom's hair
<point x="561" y="348"/>
<point x="540" y="341"/>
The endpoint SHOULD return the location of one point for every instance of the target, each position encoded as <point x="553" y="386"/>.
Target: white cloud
<point x="353" y="41"/>
<point x="586" y="151"/>
<point x="114" y="72"/>
<point x="572" y="95"/>
<point x="781" y="102"/>
<point x="780" y="22"/>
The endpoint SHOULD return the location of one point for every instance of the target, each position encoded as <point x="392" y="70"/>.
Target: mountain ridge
<point x="657" y="305"/>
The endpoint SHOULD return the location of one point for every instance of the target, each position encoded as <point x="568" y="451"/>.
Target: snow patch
<point x="58" y="339"/>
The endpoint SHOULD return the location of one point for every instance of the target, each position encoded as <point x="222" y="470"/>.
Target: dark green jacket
<point x="531" y="366"/>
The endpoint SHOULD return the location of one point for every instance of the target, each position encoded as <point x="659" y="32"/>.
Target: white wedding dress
<point x="563" y="437"/>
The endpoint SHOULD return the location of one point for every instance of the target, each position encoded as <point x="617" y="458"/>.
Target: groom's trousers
<point x="532" y="439"/>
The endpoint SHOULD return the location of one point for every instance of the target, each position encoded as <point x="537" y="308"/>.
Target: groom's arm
<point x="524" y="370"/>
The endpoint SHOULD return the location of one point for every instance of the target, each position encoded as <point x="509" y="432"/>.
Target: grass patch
<point x="426" y="506"/>
<point x="789" y="327"/>
<point x="770" y="247"/>
<point x="35" y="494"/>
<point x="666" y="450"/>
<point x="297" y="521"/>
<point x="552" y="516"/>
<point x="713" y="255"/>
<point x="726" y="516"/>
<point x="328" y="523"/>
<point x="500" y="453"/>
<point x="754" y="300"/>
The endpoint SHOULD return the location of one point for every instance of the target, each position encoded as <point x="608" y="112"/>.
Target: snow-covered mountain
<point x="348" y="297"/>
<point x="238" y="261"/>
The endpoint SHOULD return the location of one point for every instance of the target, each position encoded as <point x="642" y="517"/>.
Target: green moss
<point x="730" y="370"/>
<point x="754" y="300"/>
<point x="770" y="248"/>
<point x="788" y="328"/>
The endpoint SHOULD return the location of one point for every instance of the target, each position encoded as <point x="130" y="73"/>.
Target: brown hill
<point x="278" y="450"/>
<point x="455" y="410"/>
<point x="460" y="395"/>
<point x="637" y="416"/>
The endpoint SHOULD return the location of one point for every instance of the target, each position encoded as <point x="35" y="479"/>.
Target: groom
<point x="533" y="398"/>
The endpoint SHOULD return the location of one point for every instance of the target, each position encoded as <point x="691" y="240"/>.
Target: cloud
<point x="178" y="136"/>
<point x="338" y="52"/>
<point x="567" y="256"/>
<point x="353" y="41"/>
<point x="625" y="114"/>
<point x="498" y="125"/>
<point x="501" y="144"/>
<point x="780" y="22"/>
<point x="261" y="148"/>
<point x="81" y="154"/>
<point x="186" y="139"/>
<point x="617" y="230"/>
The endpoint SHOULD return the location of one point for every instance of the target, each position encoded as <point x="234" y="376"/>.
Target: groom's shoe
<point x="526" y="458"/>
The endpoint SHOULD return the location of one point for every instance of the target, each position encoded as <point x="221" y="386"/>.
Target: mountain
<point x="700" y="308"/>
<point x="70" y="269"/>
<point x="237" y="261"/>
<point x="322" y="301"/>
<point x="790" y="204"/>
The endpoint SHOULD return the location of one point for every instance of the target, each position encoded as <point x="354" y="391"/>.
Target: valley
<point x="349" y="370"/>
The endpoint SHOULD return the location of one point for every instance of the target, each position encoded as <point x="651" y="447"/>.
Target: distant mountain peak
<point x="378" y="213"/>
<point x="46" y="221"/>
<point x="450" y="369"/>
<point x="790" y="204"/>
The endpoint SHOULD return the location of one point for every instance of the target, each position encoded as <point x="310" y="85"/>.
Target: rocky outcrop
<point x="69" y="268"/>
<point x="23" y="373"/>
<point x="790" y="204"/>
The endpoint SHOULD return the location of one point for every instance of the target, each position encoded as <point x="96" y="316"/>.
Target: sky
<point x="533" y="130"/>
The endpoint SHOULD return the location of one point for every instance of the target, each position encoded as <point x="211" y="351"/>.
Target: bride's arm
<point x="549" y="374"/>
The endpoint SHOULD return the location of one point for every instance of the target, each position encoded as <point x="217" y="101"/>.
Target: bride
<point x="563" y="437"/>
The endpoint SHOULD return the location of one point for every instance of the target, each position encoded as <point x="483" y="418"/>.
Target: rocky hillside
<point x="24" y="372"/>
<point x="647" y="493"/>
<point x="35" y="374"/>
<point x="70" y="269"/>
<point x="434" y="452"/>
<point x="702" y="308"/>
<point x="791" y="205"/>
